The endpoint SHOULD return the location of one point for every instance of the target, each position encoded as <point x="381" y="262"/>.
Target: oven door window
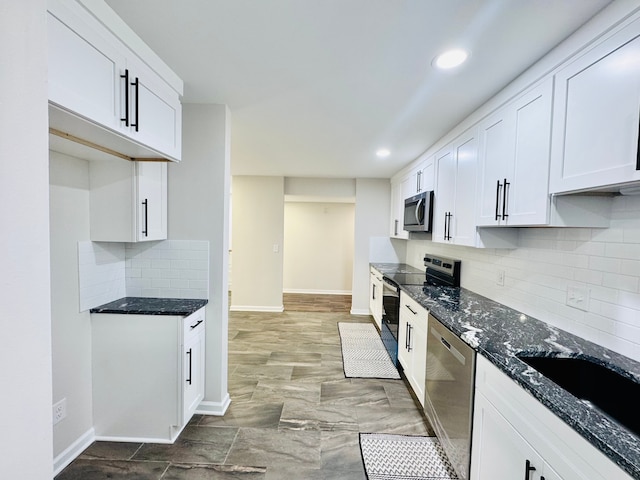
<point x="391" y="308"/>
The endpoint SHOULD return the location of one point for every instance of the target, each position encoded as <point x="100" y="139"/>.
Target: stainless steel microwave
<point x="418" y="212"/>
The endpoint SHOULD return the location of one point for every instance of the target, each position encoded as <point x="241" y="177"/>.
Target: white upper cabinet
<point x="84" y="67"/>
<point x="596" y="116"/>
<point x="154" y="110"/>
<point x="513" y="168"/>
<point x="421" y="179"/>
<point x="128" y="201"/>
<point x="95" y="77"/>
<point x="396" y="223"/>
<point x="454" y="214"/>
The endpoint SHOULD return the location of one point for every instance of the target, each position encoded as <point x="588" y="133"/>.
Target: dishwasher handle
<point x="452" y="350"/>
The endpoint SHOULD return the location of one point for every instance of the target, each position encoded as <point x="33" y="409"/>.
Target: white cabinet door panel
<point x="596" y="116"/>
<point x="84" y="76"/>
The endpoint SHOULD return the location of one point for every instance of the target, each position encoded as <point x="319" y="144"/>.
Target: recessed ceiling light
<point x="383" y="152"/>
<point x="451" y="58"/>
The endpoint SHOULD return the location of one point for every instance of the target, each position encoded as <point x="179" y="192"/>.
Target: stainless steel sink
<point x="596" y="385"/>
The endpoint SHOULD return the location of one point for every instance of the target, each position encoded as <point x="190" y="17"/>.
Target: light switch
<point x="276" y="248"/>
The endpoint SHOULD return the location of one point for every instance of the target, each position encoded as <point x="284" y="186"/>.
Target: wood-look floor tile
<point x="201" y="445"/>
<point x="270" y="447"/>
<point x="214" y="472"/>
<point x="86" y="469"/>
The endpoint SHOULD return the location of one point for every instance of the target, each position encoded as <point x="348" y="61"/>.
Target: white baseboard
<point x="317" y="292"/>
<point x="214" y="408"/>
<point x="116" y="438"/>
<point x="256" y="308"/>
<point x="355" y="311"/>
<point x="73" y="451"/>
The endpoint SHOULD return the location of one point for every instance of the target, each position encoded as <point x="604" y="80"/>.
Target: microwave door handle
<point x="418" y="221"/>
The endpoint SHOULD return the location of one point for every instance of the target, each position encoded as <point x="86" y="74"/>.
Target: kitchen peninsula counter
<point x="152" y="306"/>
<point x="500" y="333"/>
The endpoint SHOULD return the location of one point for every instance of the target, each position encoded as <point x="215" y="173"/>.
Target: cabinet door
<point x="527" y="195"/>
<point x="404" y="355"/>
<point x="419" y="355"/>
<point x="152" y="200"/>
<point x="463" y="220"/>
<point x="155" y="111"/>
<point x="596" y="116"/>
<point x="193" y="366"/>
<point x="375" y="293"/>
<point x="495" y="153"/>
<point x="397" y="212"/>
<point x="84" y="66"/>
<point x="499" y="452"/>
<point x="445" y="195"/>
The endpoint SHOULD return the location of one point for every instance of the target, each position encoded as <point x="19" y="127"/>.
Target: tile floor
<point x="293" y="414"/>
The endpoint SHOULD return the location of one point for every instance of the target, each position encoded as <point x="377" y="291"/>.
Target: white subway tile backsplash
<point x="172" y="268"/>
<point x="604" y="260"/>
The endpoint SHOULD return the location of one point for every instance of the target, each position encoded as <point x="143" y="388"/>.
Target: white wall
<point x="371" y="220"/>
<point x="198" y="209"/>
<point x="548" y="260"/>
<point x="25" y="356"/>
<point x="258" y="230"/>
<point x="71" y="328"/>
<point x="318" y="247"/>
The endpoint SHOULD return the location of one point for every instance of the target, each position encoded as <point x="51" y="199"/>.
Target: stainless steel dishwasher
<point x="449" y="393"/>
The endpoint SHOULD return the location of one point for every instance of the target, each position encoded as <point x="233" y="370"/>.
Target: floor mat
<point x="363" y="353"/>
<point x="404" y="457"/>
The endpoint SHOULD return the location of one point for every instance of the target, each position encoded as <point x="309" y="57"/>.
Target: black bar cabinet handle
<point x="200" y="321"/>
<point x="406" y="337"/>
<point x="498" y="185"/>
<point x="504" y="200"/>
<point x="190" y="355"/>
<point x="411" y="309"/>
<point x="126" y="97"/>
<point x="409" y="336"/>
<point x="528" y="468"/>
<point x="145" y="232"/>
<point x="136" y="84"/>
<point x="638" y="151"/>
<point x="395" y="227"/>
<point x="446" y="216"/>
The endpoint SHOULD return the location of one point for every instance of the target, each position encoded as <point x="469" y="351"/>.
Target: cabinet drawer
<point x="193" y="325"/>
<point x="417" y="312"/>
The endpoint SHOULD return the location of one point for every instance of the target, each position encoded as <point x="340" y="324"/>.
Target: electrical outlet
<point x="578" y="297"/>
<point x="500" y="278"/>
<point x="59" y="411"/>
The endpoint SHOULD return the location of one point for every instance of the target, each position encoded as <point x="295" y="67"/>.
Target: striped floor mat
<point x="363" y="353"/>
<point x="404" y="457"/>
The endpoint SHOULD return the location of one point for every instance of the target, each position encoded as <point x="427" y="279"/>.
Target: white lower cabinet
<point x="128" y="201"/>
<point x="412" y="343"/>
<point x="375" y="296"/>
<point x="148" y="375"/>
<point x="516" y="437"/>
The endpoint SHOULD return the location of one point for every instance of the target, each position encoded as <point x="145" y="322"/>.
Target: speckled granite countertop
<point x="396" y="268"/>
<point x="152" y="306"/>
<point x="499" y="333"/>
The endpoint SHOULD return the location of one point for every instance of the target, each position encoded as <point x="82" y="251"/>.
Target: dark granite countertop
<point x="152" y="306"/>
<point x="396" y="268"/>
<point x="499" y="333"/>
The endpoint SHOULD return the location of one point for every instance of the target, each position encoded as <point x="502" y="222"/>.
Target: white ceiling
<point x="315" y="87"/>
